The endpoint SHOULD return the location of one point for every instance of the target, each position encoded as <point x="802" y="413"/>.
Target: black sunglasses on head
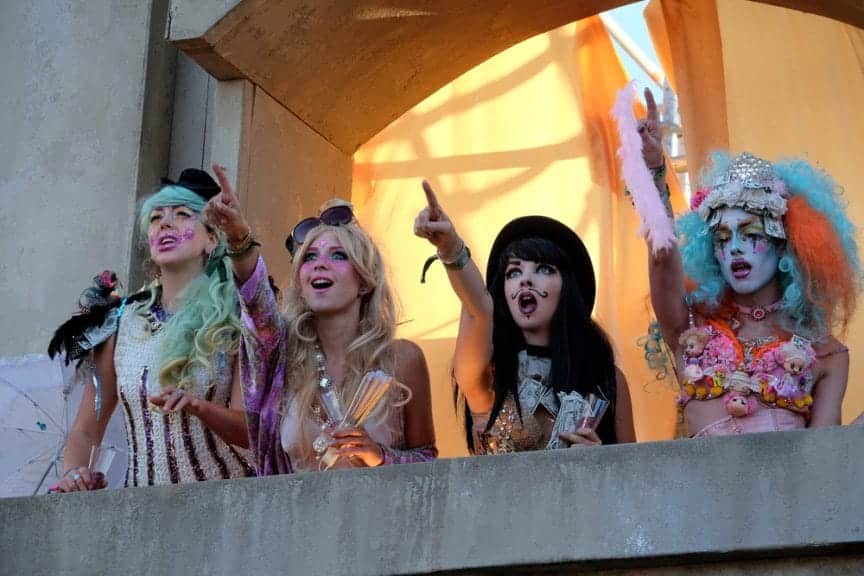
<point x="333" y="216"/>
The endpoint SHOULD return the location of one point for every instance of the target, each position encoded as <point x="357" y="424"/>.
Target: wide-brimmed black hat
<point x="198" y="181"/>
<point x="554" y="231"/>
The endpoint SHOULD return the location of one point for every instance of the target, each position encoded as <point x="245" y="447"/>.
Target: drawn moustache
<point x="541" y="293"/>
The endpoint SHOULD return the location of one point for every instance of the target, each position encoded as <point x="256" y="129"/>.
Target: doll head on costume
<point x="693" y="341"/>
<point x="793" y="358"/>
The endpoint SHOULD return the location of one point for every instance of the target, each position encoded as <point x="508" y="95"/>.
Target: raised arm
<point x="473" y="355"/>
<point x="223" y="212"/>
<point x="261" y="320"/>
<point x="665" y="269"/>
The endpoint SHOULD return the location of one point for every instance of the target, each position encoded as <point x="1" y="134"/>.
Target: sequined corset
<point x="168" y="448"/>
<point x="541" y="413"/>
<point x="774" y="373"/>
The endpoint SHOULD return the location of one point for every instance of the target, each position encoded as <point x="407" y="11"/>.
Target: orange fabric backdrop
<point x="781" y="83"/>
<point x="526" y="132"/>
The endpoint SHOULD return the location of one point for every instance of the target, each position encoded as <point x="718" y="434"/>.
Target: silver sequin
<point x="195" y="456"/>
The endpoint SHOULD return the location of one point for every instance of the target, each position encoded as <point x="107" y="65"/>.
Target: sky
<point x="630" y="18"/>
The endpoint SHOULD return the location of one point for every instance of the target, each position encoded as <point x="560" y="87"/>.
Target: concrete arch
<point x="348" y="69"/>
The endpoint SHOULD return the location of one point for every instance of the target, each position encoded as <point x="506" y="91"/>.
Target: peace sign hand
<point x="649" y="129"/>
<point x="223" y="210"/>
<point x="434" y="225"/>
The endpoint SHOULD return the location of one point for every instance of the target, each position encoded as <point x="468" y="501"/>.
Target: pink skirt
<point x="764" y="420"/>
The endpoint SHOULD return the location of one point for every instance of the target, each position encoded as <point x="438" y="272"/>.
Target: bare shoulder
<point x="407" y="354"/>
<point x="411" y="368"/>
<point x="405" y="351"/>
<point x="104" y="352"/>
<point x="829" y="346"/>
<point x="831" y="355"/>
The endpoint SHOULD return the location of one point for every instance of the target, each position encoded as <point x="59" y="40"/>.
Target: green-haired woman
<point x="166" y="355"/>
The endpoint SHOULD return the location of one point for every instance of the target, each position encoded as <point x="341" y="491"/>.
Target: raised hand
<point x="223" y="210"/>
<point x="649" y="129"/>
<point x="434" y="225"/>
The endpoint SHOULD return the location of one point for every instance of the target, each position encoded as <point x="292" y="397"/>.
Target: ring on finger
<point x="76" y="476"/>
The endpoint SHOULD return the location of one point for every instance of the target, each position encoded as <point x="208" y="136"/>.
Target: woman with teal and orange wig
<point x="764" y="271"/>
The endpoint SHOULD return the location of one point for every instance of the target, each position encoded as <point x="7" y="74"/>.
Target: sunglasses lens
<point x="334" y="216"/>
<point x="337" y="216"/>
<point x="302" y="229"/>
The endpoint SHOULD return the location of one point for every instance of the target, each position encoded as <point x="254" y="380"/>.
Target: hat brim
<point x="205" y="190"/>
<point x="554" y="231"/>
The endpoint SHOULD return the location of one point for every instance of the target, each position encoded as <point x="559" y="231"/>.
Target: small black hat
<point x="198" y="181"/>
<point x="554" y="231"/>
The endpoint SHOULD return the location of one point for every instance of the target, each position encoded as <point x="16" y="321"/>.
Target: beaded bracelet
<point x="241" y="248"/>
<point x="659" y="173"/>
<point x="461" y="260"/>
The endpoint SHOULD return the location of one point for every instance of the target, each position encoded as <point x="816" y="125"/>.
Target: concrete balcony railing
<point x="784" y="503"/>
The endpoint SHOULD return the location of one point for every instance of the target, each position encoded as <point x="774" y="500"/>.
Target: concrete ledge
<point x="729" y="500"/>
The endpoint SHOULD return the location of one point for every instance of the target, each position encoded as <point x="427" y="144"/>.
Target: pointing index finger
<point x="225" y="184"/>
<point x="434" y="208"/>
<point x="651" y="105"/>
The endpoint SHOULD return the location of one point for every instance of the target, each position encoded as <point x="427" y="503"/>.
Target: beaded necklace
<point x="326" y="393"/>
<point x="157" y="316"/>
<point x="758" y="313"/>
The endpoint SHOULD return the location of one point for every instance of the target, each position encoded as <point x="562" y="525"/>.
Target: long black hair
<point x="582" y="357"/>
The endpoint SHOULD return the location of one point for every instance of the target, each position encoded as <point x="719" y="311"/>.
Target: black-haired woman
<point x="528" y="353"/>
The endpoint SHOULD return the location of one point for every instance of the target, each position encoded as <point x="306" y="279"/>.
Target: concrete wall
<point x="75" y="149"/>
<point x="348" y="69"/>
<point x="282" y="169"/>
<point x="291" y="171"/>
<point x="194" y="94"/>
<point x="726" y="506"/>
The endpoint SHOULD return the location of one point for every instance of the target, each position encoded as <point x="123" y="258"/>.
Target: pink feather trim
<point x="657" y="226"/>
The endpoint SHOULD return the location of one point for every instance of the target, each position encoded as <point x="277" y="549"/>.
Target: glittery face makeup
<point x="747" y="256"/>
<point x="533" y="290"/>
<point x="328" y="280"/>
<point x="176" y="233"/>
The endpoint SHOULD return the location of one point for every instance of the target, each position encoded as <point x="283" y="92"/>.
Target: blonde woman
<point x="338" y="326"/>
